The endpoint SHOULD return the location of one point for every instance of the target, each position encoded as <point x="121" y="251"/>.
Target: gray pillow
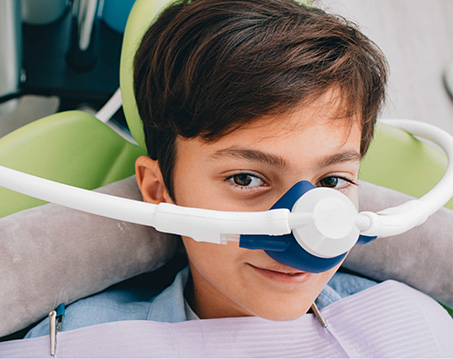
<point x="51" y="254"/>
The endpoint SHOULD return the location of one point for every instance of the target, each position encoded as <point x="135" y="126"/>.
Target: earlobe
<point x="150" y="180"/>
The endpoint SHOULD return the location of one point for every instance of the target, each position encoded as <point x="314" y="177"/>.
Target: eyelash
<point x="342" y="188"/>
<point x="231" y="180"/>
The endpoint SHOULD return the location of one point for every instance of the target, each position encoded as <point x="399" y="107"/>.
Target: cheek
<point x="218" y="273"/>
<point x="353" y="195"/>
<point x="199" y="253"/>
<point x="213" y="261"/>
<point x="194" y="190"/>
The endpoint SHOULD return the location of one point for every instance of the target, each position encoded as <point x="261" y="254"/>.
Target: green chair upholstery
<point x="70" y="147"/>
<point x="142" y="15"/>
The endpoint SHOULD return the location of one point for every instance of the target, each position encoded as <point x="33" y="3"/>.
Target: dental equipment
<point x="309" y="228"/>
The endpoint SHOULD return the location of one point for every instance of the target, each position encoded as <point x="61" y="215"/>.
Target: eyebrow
<point x="280" y="162"/>
<point x="341" y="157"/>
<point x="252" y="155"/>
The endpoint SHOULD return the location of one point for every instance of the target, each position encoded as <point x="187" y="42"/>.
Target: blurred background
<point x="58" y="55"/>
<point x="416" y="36"/>
<point x="64" y="54"/>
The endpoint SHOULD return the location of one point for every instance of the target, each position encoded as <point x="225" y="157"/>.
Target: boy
<point x="241" y="99"/>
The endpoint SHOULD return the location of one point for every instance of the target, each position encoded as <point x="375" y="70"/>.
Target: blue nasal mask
<point x="309" y="228"/>
<point x="287" y="249"/>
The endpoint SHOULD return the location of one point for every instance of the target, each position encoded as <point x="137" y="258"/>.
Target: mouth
<point x="282" y="274"/>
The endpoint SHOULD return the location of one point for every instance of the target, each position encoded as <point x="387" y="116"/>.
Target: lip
<point x="282" y="274"/>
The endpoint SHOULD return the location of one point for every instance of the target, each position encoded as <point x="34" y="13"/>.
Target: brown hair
<point x="206" y="67"/>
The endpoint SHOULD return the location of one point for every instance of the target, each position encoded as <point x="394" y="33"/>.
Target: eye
<point x="245" y="180"/>
<point x="335" y="182"/>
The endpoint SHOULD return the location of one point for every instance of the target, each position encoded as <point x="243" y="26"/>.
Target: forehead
<point x="331" y="107"/>
<point x="305" y="134"/>
<point x="325" y="115"/>
<point x="291" y="133"/>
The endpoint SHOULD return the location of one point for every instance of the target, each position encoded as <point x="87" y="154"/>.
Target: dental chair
<point x="76" y="148"/>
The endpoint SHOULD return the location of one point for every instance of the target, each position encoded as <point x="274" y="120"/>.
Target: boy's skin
<point x="272" y="153"/>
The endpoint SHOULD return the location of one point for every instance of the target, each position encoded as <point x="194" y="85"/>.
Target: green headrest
<point x="71" y="147"/>
<point x="142" y="15"/>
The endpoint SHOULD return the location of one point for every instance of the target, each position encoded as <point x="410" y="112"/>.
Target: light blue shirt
<point x="168" y="306"/>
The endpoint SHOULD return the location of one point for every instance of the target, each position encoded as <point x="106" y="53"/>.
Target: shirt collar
<point x="169" y="306"/>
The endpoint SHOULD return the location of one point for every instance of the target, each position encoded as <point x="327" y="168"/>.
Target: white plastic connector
<point x="332" y="231"/>
<point x="333" y="217"/>
<point x="395" y="220"/>
<point x="362" y="222"/>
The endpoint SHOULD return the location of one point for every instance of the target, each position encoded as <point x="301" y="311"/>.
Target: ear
<point x="150" y="180"/>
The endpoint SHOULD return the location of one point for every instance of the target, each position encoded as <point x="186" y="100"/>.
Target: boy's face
<point x="249" y="170"/>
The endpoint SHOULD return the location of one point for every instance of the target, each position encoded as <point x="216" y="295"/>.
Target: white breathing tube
<point x="397" y="220"/>
<point x="218" y="226"/>
<point x="204" y="225"/>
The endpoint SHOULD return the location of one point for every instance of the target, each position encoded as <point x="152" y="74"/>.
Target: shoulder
<point x="136" y="303"/>
<point x="105" y="307"/>
<point x="342" y="285"/>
